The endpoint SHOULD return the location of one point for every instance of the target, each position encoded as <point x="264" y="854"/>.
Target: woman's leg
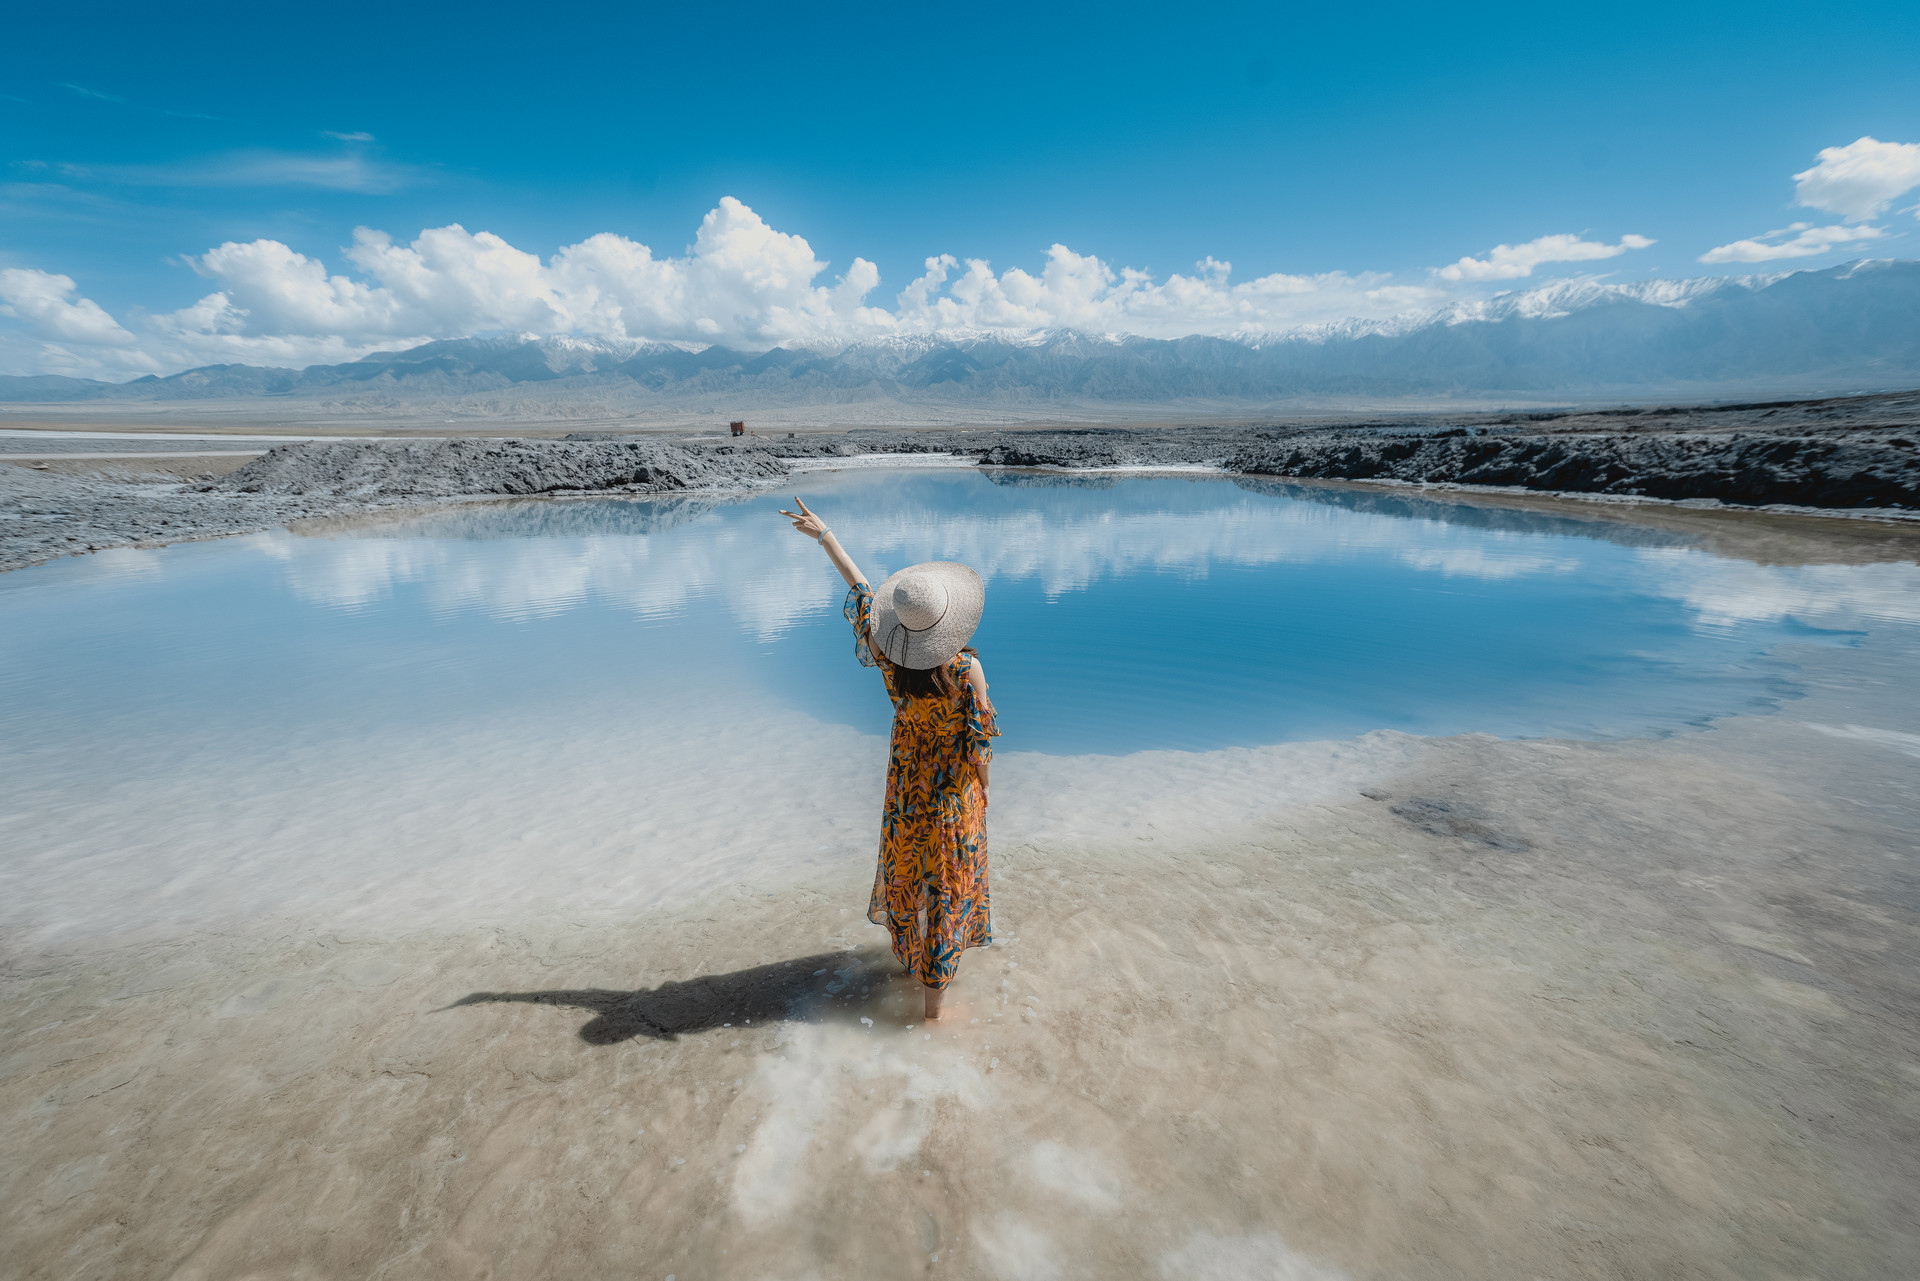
<point x="937" y="966"/>
<point x="925" y="959"/>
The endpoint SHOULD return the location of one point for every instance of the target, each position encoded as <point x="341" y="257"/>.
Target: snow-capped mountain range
<point x="1855" y="327"/>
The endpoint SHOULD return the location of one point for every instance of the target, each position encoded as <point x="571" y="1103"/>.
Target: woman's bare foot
<point x="935" y="995"/>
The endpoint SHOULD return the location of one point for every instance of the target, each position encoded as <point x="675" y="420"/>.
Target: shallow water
<point x="1124" y="614"/>
<point x="600" y="704"/>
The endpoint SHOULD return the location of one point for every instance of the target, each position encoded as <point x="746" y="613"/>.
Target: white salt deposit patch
<point x="1017" y="1249"/>
<point x="1172" y="798"/>
<point x="35" y="434"/>
<point x="1208" y="1256"/>
<point x="1898" y="740"/>
<point x="862" y="461"/>
<point x="821" y="1079"/>
<point x="1082" y="1176"/>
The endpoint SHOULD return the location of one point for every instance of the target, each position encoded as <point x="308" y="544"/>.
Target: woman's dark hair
<point x="925" y="682"/>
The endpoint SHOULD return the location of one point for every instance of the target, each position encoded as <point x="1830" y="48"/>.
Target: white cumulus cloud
<point x="1858" y="181"/>
<point x="1511" y="262"/>
<point x="742" y="284"/>
<point x="46" y="301"/>
<point x="1078" y="291"/>
<point x="1800" y="240"/>
<point x="58" y="320"/>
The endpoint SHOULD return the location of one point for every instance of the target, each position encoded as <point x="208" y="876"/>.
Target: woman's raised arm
<point x="812" y="526"/>
<point x="977" y="678"/>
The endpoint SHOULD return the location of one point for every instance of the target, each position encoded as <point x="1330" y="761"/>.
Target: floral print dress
<point x="933" y="829"/>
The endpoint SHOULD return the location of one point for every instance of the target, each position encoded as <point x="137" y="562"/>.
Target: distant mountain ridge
<point x="1855" y="326"/>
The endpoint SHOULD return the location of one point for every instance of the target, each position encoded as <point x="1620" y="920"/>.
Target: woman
<point x="930" y="890"/>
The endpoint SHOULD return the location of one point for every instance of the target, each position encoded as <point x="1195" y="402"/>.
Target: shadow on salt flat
<point x="777" y="992"/>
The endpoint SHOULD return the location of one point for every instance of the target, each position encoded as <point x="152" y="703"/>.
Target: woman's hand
<point x="813" y="527"/>
<point x="805" y="521"/>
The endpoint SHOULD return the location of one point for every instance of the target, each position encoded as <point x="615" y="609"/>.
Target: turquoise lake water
<point x="1122" y="614"/>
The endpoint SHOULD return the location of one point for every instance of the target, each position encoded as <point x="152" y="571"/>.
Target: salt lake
<point x="348" y="719"/>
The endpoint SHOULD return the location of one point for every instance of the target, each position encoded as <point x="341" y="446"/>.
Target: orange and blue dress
<point x="933" y="829"/>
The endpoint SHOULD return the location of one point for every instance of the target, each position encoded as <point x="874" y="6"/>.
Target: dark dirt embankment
<point x="44" y="515"/>
<point x="1867" y="470"/>
<point x="367" y="470"/>
<point x="1731" y="468"/>
<point x="1855" y="453"/>
<point x="1846" y="452"/>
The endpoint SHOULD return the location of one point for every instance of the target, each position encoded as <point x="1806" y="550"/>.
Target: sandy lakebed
<point x="1391" y="1007"/>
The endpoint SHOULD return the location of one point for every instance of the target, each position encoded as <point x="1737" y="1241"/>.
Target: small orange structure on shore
<point x="739" y="429"/>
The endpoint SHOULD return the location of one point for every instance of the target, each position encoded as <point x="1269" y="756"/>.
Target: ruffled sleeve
<point x="859" y="611"/>
<point x="982" y="727"/>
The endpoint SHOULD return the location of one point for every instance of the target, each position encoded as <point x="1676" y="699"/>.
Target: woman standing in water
<point x="930" y="890"/>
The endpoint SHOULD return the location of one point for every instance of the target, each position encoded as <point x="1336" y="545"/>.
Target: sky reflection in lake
<point x="1123" y="614"/>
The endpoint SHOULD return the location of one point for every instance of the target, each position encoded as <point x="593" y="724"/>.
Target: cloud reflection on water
<point x="1723" y="592"/>
<point x="772" y="579"/>
<point x="655" y="559"/>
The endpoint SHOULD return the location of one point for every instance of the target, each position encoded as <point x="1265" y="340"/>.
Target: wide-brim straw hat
<point x="925" y="613"/>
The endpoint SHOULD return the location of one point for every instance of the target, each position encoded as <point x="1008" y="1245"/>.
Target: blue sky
<point x="1377" y="144"/>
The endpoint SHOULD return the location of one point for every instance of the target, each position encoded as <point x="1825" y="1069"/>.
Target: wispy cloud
<point x="1511" y="262"/>
<point x="343" y="171"/>
<point x="85" y="92"/>
<point x="58" y="200"/>
<point x="356" y="136"/>
<point x="1801" y="240"/>
<point x="99" y="95"/>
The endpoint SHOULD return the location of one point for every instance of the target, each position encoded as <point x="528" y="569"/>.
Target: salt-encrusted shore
<point x="1454" y="1008"/>
<point x="1857" y="455"/>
